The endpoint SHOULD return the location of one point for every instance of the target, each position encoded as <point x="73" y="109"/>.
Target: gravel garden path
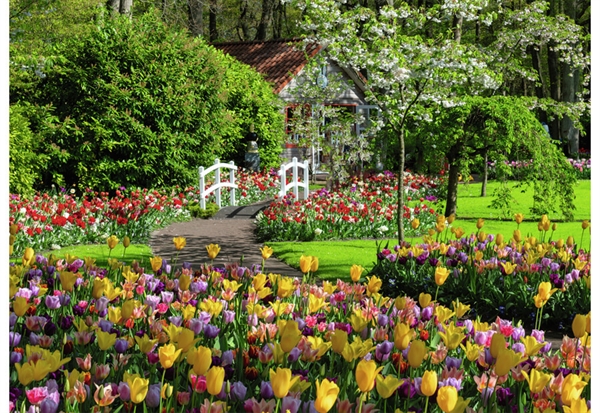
<point x="232" y="228"/>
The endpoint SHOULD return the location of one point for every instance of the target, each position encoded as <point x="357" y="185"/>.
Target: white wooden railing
<point x="218" y="184"/>
<point x="294" y="184"/>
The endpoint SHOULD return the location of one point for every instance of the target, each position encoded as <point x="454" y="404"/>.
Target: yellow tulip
<point x="498" y="343"/>
<point x="416" y="353"/>
<point x="289" y="336"/>
<point x="480" y="222"/>
<point x="305" y="263"/>
<point x="213" y="250"/>
<point x="447" y="398"/>
<point x="266" y="252"/>
<point x="545" y="291"/>
<point x="499" y="239"/>
<point x="184" y="282"/>
<point x="28" y="257"/>
<point x="67" y="280"/>
<point x="127" y="308"/>
<point x="200" y="358"/>
<point x="126" y="241"/>
<point x="424" y="300"/>
<point x="20" y="306"/>
<point x="577" y="406"/>
<point x="453" y="336"/>
<point x="579" y="325"/>
<point x="472" y="351"/>
<point x="98" y="287"/>
<point x="105" y="340"/>
<point x="355" y="272"/>
<point x="156" y="263"/>
<point x="167" y="355"/>
<point x="327" y="393"/>
<point x="415" y="223"/>
<point x="506" y="360"/>
<point x="400" y="303"/>
<point x="339" y="339"/>
<point x="429" y="383"/>
<point x="509" y="267"/>
<point x="451" y="218"/>
<point x="519" y="218"/>
<point x="179" y="243"/>
<point x="145" y="344"/>
<point x="112" y="241"/>
<point x="442" y="313"/>
<point x="441" y="274"/>
<point x="459" y="308"/>
<point x="459" y="232"/>
<point x="25" y="373"/>
<point x="517" y="235"/>
<point x="585" y="224"/>
<point x="13" y="229"/>
<point x="314" y="265"/>
<point x="366" y="371"/>
<point x="588" y="323"/>
<point x="536" y="379"/>
<point x="402" y="336"/>
<point x="282" y="381"/>
<point x="374" y="285"/>
<point x="387" y="386"/>
<point x="114" y="314"/>
<point x="570" y="241"/>
<point x="214" y="380"/>
<point x="571" y="389"/>
<point x="532" y="346"/>
<point x="138" y="389"/>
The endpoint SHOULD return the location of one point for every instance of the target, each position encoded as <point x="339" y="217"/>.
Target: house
<point x="282" y="62"/>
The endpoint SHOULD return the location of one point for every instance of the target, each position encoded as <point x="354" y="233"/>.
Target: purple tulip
<point x="211" y="331"/>
<point x="238" y="391"/>
<point x="14" y="338"/>
<point x="167" y="297"/>
<point x="121" y="346"/>
<point x="176" y="320"/>
<point x="294" y="354"/>
<point x="124" y="392"/>
<point x="153" y="395"/>
<point x="451" y="381"/>
<point x="196" y="325"/>
<point x="105" y="325"/>
<point x="518" y="333"/>
<point x="15" y="357"/>
<point x="290" y="404"/>
<point x="266" y="391"/>
<point x="65" y="299"/>
<point x="383" y="320"/>
<point x="427" y="313"/>
<point x="48" y="406"/>
<point x="453" y="362"/>
<point x="228" y="316"/>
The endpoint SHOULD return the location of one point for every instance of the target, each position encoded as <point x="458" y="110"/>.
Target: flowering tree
<point x="415" y="60"/>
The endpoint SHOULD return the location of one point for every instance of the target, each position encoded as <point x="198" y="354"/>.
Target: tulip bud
<point x="451" y="218"/>
<point x="560" y="243"/>
<point x="570" y="241"/>
<point x="585" y="224"/>
<point x="14" y="228"/>
<point x="554" y="227"/>
<point x="499" y="239"/>
<point x="517" y="235"/>
<point x="579" y="325"/>
<point x="126" y="241"/>
<point x="415" y="223"/>
<point x="519" y="218"/>
<point x="480" y="222"/>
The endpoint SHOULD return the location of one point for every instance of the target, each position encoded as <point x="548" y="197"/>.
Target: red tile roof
<point x="278" y="60"/>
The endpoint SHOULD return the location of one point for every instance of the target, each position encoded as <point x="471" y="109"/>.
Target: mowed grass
<point x="470" y="204"/>
<point x="336" y="257"/>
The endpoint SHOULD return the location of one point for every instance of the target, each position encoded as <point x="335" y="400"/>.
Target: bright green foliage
<point x="25" y="165"/>
<point x="139" y="104"/>
<point x="506" y="129"/>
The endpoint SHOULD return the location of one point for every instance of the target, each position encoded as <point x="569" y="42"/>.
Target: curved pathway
<point x="232" y="228"/>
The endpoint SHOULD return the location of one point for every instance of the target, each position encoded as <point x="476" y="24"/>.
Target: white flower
<point x="55" y="247"/>
<point x="383" y="228"/>
<point x="318" y="231"/>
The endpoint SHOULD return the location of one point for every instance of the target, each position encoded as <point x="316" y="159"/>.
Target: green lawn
<point x="471" y="205"/>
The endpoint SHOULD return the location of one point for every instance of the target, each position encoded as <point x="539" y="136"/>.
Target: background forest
<point x="130" y="92"/>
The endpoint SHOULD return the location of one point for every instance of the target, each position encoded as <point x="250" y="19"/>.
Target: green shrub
<point x="137" y="103"/>
<point x="25" y="165"/>
<point x="197" y="212"/>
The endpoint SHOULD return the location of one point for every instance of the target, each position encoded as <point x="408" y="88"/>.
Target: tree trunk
<point x="125" y="7"/>
<point x="540" y="86"/>
<point x="243" y="22"/>
<point x="452" y="196"/>
<point x="457" y="23"/>
<point x="570" y="80"/>
<point x="113" y="5"/>
<point x="195" y="17"/>
<point x="212" y="21"/>
<point x="266" y="17"/>
<point x="401" y="188"/>
<point x="554" y="75"/>
<point x="485" y="176"/>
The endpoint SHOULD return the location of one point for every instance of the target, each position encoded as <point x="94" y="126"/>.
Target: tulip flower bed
<point x="493" y="276"/>
<point x="52" y="220"/>
<point x="180" y="339"/>
<point x="357" y="209"/>
<point x="583" y="167"/>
